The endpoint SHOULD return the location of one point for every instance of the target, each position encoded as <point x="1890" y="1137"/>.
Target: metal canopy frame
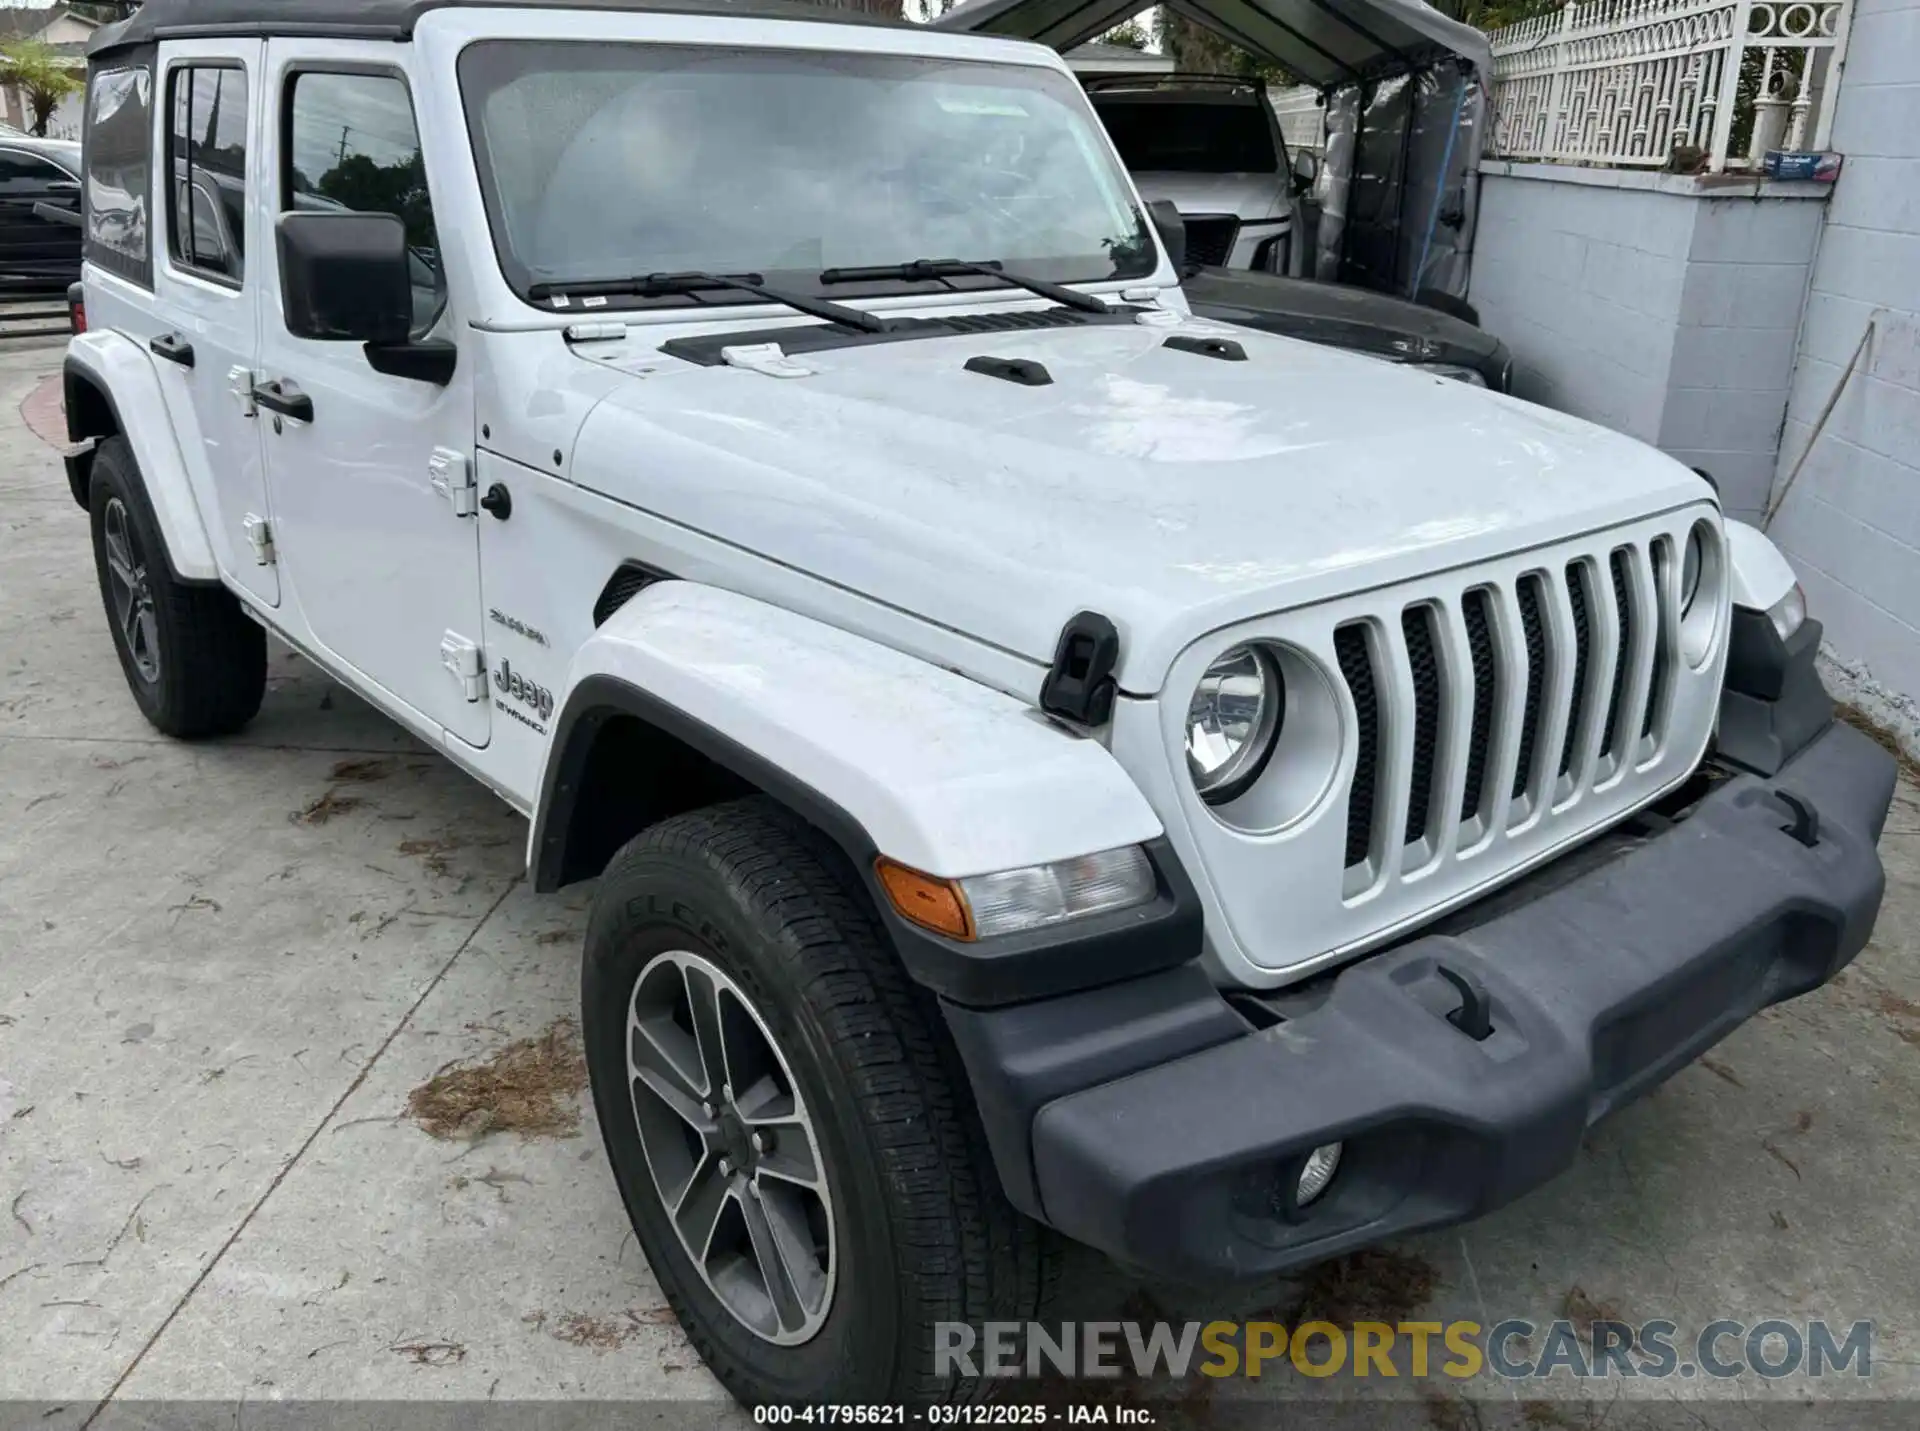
<point x="1324" y="43"/>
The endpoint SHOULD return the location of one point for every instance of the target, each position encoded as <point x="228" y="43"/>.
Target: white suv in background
<point x="1210" y="145"/>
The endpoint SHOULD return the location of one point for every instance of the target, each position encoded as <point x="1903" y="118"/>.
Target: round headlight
<point x="1232" y="723"/>
<point x="1690" y="564"/>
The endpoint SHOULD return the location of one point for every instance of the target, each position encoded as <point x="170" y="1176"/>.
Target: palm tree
<point x="42" y="77"/>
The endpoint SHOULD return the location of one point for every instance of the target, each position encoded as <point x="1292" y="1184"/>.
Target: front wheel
<point x="195" y="664"/>
<point x="786" y="1121"/>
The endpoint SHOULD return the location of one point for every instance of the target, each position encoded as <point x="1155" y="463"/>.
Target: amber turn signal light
<point x="932" y="903"/>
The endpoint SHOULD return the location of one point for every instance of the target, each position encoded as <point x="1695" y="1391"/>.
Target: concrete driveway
<point x="291" y="1103"/>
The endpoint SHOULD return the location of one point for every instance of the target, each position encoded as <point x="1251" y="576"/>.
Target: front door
<point x="203" y="328"/>
<point x="384" y="567"/>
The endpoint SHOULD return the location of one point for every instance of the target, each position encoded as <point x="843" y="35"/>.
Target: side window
<point x="119" y="159"/>
<point x="28" y="173"/>
<point x="207" y="170"/>
<point x="352" y="144"/>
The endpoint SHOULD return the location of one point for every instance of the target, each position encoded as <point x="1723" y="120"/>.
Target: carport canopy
<point x="1325" y="43"/>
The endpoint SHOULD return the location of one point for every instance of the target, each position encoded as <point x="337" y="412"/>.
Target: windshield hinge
<point x="1079" y="686"/>
<point x="767" y="359"/>
<point x="465" y="663"/>
<point x="452" y="477"/>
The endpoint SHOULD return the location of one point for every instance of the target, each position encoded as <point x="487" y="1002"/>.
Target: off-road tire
<point x="212" y="660"/>
<point x="925" y="1233"/>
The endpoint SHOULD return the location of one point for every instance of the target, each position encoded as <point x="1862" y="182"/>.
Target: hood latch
<point x="1080" y="686"/>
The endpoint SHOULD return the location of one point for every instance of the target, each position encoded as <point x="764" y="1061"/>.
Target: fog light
<point x="1321" y="1165"/>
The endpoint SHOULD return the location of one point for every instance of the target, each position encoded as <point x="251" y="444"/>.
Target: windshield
<point x="1156" y="135"/>
<point x="608" y="162"/>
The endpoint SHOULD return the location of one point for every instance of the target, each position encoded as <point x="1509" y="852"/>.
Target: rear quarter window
<point x="119" y="161"/>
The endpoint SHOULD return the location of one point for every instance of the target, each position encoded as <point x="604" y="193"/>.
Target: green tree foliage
<point x="359" y="183"/>
<point x="1197" y="50"/>
<point x="1129" y="36"/>
<point x="1491" y="15"/>
<point x="42" y="77"/>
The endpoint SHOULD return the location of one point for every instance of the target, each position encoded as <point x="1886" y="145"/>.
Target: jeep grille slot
<point x="1623" y="606"/>
<point x="1577" y="599"/>
<point x="1477" y="610"/>
<point x="1356" y="668"/>
<point x="1665" y="620"/>
<point x="1534" y="631"/>
<point x="1416" y="624"/>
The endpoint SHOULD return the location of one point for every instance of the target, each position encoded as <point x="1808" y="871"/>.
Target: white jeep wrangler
<point x="1053" y="766"/>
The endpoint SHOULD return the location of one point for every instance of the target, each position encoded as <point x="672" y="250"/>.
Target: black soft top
<point x="395" y="19"/>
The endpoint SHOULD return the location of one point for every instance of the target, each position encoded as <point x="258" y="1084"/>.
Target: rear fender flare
<point x="123" y="377"/>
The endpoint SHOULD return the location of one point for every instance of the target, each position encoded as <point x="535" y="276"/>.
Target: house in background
<point x="66" y="33"/>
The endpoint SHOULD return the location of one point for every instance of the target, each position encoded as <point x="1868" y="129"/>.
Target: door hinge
<point x="466" y="662"/>
<point x="240" y="384"/>
<point x="452" y="477"/>
<point x="260" y="537"/>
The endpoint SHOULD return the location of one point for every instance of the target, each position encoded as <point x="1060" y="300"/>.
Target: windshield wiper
<point x="661" y="285"/>
<point x="921" y="268"/>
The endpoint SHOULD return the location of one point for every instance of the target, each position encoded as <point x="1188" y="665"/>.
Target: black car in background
<point x="39" y="179"/>
<point x="1356" y="318"/>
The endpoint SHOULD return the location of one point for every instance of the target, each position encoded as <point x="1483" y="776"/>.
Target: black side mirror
<point x="1172" y="230"/>
<point x="348" y="278"/>
<point x="1306" y="168"/>
<point x="343" y="277"/>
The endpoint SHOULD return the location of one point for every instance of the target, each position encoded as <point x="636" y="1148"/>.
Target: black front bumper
<point x="1152" y="1121"/>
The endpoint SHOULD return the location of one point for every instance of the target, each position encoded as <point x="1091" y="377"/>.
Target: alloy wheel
<point x="731" y="1147"/>
<point x="131" y="593"/>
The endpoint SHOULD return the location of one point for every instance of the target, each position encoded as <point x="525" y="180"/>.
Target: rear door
<point x="36" y="251"/>
<point x="208" y="257"/>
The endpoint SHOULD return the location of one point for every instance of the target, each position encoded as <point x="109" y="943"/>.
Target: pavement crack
<point x="360" y="1078"/>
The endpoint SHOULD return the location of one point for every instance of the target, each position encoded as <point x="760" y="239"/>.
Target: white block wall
<point x="1660" y="305"/>
<point x="1851" y="524"/>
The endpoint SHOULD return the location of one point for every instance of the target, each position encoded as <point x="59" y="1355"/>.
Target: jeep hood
<point x="1173" y="492"/>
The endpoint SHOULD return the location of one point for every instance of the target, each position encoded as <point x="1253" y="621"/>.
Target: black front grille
<point x="1417" y="624"/>
<point x="1210" y="238"/>
<point x="1617" y="564"/>
<point x="1577" y="594"/>
<point x="1356" y="666"/>
<point x="1477" y="610"/>
<point x="1658" y="685"/>
<point x="1443" y="704"/>
<point x="1533" y="628"/>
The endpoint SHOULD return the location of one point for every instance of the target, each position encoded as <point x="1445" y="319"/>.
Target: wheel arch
<point x="112" y="390"/>
<point x="611" y="731"/>
<point x="689" y="695"/>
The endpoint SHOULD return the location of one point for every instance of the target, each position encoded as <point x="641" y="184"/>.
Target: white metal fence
<point x="1302" y="116"/>
<point x="1629" y="82"/>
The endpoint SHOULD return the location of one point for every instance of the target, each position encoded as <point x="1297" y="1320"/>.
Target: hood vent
<point x="1024" y="371"/>
<point x="1224" y="349"/>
